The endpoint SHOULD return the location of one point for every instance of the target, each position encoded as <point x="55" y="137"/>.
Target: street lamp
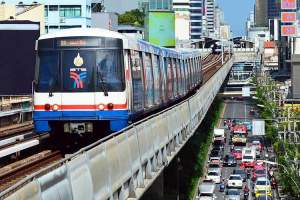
<point x="284" y="167"/>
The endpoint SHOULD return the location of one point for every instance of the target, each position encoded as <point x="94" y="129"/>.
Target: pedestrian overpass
<point x="124" y="165"/>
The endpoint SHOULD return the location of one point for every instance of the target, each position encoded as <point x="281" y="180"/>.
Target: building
<point x="210" y="16"/>
<point x="33" y="13"/>
<point x="182" y="19"/>
<point x="274" y="9"/>
<point x="219" y="20"/>
<point x="250" y="23"/>
<point x="261" y="13"/>
<point x="259" y="35"/>
<point x="131" y="31"/>
<point x="106" y="20"/>
<point x="225" y="32"/>
<point x="197" y="20"/>
<point x="61" y="14"/>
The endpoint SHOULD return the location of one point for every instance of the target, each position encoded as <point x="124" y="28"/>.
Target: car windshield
<point x="248" y="157"/>
<point x="213" y="166"/>
<point x="262" y="183"/>
<point x="233" y="192"/>
<point x="234" y="178"/>
<point x="260" y="171"/>
<point x="212" y="174"/>
<point x="206" y="195"/>
<point x="238" y="172"/>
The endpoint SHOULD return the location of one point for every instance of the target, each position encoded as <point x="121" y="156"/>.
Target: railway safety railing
<point x="125" y="164"/>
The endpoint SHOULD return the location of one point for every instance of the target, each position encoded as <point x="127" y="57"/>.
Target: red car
<point x="247" y="164"/>
<point x="237" y="153"/>
<point x="258" y="173"/>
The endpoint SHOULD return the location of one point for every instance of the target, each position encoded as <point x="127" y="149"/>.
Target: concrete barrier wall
<point x="127" y="164"/>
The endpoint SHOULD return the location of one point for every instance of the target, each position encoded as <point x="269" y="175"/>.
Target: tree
<point x="134" y="17"/>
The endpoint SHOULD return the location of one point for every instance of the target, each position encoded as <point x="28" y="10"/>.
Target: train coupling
<point x="78" y="128"/>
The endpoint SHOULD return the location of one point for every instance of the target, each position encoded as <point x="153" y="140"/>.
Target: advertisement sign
<point x="258" y="127"/>
<point x="288" y="17"/>
<point x="246" y="91"/>
<point x="288" y="30"/>
<point x="162" y="28"/>
<point x="288" y="4"/>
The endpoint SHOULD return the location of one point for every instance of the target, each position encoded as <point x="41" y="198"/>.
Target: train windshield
<point x="80" y="70"/>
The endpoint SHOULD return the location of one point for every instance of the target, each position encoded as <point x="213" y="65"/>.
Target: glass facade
<point x="160" y="5"/>
<point x="196" y="13"/>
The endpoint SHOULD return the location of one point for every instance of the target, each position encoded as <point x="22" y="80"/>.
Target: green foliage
<point x="134" y="17"/>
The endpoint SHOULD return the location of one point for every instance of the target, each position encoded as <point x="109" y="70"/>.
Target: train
<point x="87" y="77"/>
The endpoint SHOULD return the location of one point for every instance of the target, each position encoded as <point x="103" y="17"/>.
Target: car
<point x="232" y="194"/>
<point x="263" y="193"/>
<point x="215" y="153"/>
<point x="219" y="142"/>
<point x="206" y="190"/>
<point x="214" y="174"/>
<point x="214" y="165"/>
<point x="235" y="181"/>
<point x="258" y="173"/>
<point x="264" y="197"/>
<point x="257" y="144"/>
<point x="241" y="172"/>
<point x="262" y="183"/>
<point x="215" y="160"/>
<point x="239" y="139"/>
<point x="258" y="165"/>
<point x="229" y="160"/>
<point x="237" y="153"/>
<point x="248" y="161"/>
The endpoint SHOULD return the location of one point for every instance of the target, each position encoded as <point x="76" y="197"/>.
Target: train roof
<point x="77" y="32"/>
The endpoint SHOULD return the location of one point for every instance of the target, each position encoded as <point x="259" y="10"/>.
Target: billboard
<point x="258" y="127"/>
<point x="288" y="17"/>
<point x="288" y="4"/>
<point x="17" y="50"/>
<point x="288" y="30"/>
<point x="161" y="28"/>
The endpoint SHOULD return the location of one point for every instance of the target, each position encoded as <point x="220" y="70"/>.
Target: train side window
<point x="168" y="64"/>
<point x="183" y="76"/>
<point x="137" y="81"/>
<point x="175" y="78"/>
<point x="191" y="71"/>
<point x="179" y="75"/>
<point x="197" y="66"/>
<point x="149" y="92"/>
<point x="188" y="74"/>
<point x="157" y="79"/>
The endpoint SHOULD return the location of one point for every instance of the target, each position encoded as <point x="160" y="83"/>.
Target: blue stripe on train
<point x="118" y="118"/>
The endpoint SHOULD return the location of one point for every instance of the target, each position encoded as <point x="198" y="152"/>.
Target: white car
<point x="235" y="181"/>
<point x="214" y="174"/>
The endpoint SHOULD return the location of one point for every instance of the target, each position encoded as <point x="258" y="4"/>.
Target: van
<point x="207" y="190"/>
<point x="219" y="132"/>
<point x="248" y="157"/>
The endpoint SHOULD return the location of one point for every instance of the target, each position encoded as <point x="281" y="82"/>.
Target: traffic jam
<point x="236" y="167"/>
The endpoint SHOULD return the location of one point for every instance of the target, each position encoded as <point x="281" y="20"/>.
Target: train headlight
<point x="110" y="106"/>
<point x="55" y="107"/>
<point x="101" y="107"/>
<point x="47" y="107"/>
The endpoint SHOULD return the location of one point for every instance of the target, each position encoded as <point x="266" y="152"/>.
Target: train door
<point x="78" y="99"/>
<point x="137" y="81"/>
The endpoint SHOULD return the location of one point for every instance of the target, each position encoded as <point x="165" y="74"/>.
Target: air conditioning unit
<point x="62" y="20"/>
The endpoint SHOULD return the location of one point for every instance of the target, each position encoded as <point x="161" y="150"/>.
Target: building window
<point x="74" y="26"/>
<point x="53" y="8"/>
<point x="196" y="17"/>
<point x="46" y="11"/>
<point x="196" y="23"/>
<point x="53" y="27"/>
<point x="70" y="11"/>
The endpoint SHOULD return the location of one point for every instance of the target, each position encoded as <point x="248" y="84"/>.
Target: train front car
<point x="80" y="78"/>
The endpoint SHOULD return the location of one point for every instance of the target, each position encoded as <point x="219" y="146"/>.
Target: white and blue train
<point x="87" y="77"/>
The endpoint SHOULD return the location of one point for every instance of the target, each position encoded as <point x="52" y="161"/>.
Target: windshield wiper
<point x="103" y="84"/>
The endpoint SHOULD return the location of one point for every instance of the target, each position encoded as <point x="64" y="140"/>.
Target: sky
<point x="236" y="13"/>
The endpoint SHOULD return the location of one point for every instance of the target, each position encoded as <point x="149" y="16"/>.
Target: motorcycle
<point x="273" y="183"/>
<point x="246" y="195"/>
<point x="248" y="173"/>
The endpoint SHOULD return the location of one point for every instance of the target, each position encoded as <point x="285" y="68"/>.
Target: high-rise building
<point x="196" y="18"/>
<point x="210" y="16"/>
<point x="274" y="9"/>
<point x="219" y="20"/>
<point x="62" y="14"/>
<point x="261" y="13"/>
<point x="182" y="19"/>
